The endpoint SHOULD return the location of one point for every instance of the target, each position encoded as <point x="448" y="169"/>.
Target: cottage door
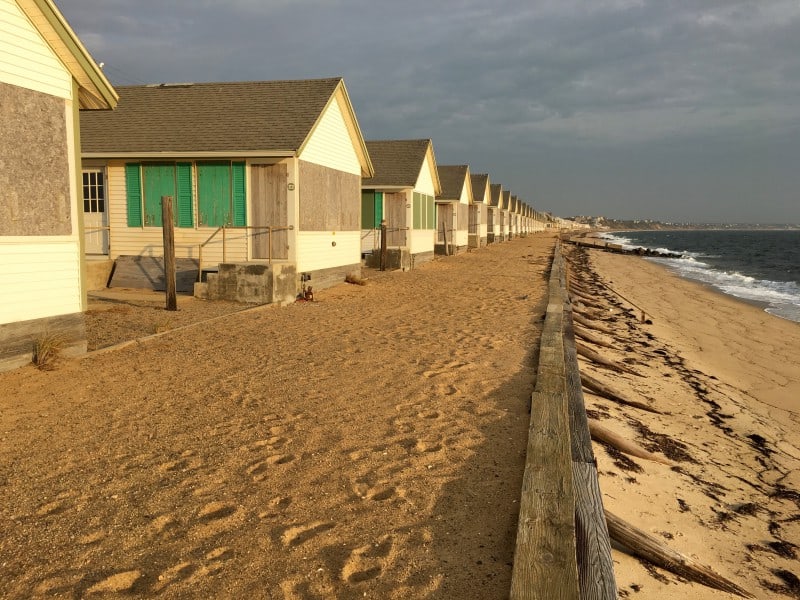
<point x="95" y="215"/>
<point x="270" y="209"/>
<point x="395" y="215"/>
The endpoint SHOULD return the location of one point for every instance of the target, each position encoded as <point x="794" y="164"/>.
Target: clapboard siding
<point x="316" y="249"/>
<point x="26" y="60"/>
<point x="330" y="144"/>
<point x="149" y="241"/>
<point x="425" y="179"/>
<point x="41" y="278"/>
<point x="421" y="240"/>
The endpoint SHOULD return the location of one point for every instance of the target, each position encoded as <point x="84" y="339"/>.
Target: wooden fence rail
<point x="563" y="549"/>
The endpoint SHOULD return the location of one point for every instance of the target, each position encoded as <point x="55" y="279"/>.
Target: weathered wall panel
<point x="330" y="200"/>
<point x="35" y="178"/>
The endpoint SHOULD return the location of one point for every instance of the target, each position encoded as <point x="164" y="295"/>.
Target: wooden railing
<point x="563" y="550"/>
<point x="224" y="228"/>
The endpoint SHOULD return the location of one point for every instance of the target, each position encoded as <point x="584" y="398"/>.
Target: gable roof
<point x="496" y="194"/>
<point x="453" y="179"/>
<point x="253" y="118"/>
<point x="398" y="163"/>
<point x="94" y="90"/>
<point x="506" y="200"/>
<point x="479" y="181"/>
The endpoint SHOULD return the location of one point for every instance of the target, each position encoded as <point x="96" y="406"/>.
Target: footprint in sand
<point x="367" y="562"/>
<point x="116" y="584"/>
<point x="296" y="535"/>
<point x="216" y="517"/>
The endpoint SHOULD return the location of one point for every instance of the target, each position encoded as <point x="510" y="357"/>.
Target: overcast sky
<point x="661" y="109"/>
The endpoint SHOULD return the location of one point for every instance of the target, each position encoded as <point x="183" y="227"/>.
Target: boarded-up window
<point x="330" y="200"/>
<point x="423" y="211"/>
<point x="35" y="177"/>
<point x="214" y="199"/>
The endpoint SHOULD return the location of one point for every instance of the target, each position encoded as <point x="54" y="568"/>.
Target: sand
<point x="368" y="444"/>
<point x="726" y="377"/>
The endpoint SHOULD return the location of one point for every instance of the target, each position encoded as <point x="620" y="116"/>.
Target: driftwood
<point x="643" y="545"/>
<point x="603" y="361"/>
<point x="603" y="390"/>
<point x="590" y="337"/>
<point x="602" y="434"/>
<point x="590" y="323"/>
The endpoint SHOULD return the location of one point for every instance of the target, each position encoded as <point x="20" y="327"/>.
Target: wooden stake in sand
<point x="603" y="361"/>
<point x="643" y="545"/>
<point x="590" y="323"/>
<point x="590" y="337"/>
<point x="602" y="434"/>
<point x="168" y="234"/>
<point x="595" y="386"/>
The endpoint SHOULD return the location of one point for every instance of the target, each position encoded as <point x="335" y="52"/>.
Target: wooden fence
<point x="563" y="549"/>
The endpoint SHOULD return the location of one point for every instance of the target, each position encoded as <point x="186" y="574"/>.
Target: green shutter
<point x="378" y="208"/>
<point x="431" y="201"/>
<point x="417" y="210"/>
<point x="133" y="187"/>
<point x="214" y="193"/>
<point x="183" y="218"/>
<point x="239" y="195"/>
<point x="367" y="210"/>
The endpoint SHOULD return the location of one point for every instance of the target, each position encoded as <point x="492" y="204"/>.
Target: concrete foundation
<point x="396" y="258"/>
<point x="98" y="273"/>
<point x="251" y="283"/>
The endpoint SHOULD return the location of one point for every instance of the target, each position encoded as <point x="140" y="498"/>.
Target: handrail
<point x="224" y="228"/>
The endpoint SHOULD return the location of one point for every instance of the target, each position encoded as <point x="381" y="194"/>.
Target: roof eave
<point x="96" y="91"/>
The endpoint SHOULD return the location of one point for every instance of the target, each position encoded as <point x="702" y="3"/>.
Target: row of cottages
<point x="430" y="209"/>
<point x="402" y="191"/>
<point x="46" y="76"/>
<point x="265" y="179"/>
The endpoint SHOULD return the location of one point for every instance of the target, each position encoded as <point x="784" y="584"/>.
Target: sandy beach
<point x="724" y="377"/>
<point x="368" y="444"/>
<point x="371" y="443"/>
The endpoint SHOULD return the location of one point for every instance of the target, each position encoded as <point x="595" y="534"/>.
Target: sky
<point x="678" y="111"/>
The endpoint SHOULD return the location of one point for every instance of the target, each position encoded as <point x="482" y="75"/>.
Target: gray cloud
<point x="681" y="110"/>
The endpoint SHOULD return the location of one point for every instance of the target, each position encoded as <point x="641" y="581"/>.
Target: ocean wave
<point x="781" y="298"/>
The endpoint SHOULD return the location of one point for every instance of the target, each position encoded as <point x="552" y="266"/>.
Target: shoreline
<point x="724" y="378"/>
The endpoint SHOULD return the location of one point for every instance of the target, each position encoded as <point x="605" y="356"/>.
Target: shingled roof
<point x="397" y="163"/>
<point x="479" y="186"/>
<point x="265" y="116"/>
<point x="452" y="178"/>
<point x="497" y="194"/>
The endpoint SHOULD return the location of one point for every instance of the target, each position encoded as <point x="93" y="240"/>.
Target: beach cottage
<point x="46" y="76"/>
<point x="505" y="209"/>
<point x="452" y="209"/>
<point x="402" y="192"/>
<point x="478" y="210"/>
<point x="494" y="217"/>
<point x="264" y="176"/>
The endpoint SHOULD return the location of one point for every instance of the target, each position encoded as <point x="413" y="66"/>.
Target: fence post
<point x="384" y="246"/>
<point x="168" y="232"/>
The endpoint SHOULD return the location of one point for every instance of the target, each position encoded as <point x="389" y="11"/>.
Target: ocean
<point x="759" y="266"/>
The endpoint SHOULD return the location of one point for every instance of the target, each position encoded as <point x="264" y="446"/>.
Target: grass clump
<point x="46" y="350"/>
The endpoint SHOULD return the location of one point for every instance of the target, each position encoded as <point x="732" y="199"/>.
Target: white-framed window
<point x="94" y="191"/>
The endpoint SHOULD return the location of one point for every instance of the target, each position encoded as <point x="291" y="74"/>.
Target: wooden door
<point x="95" y="214"/>
<point x="395" y="214"/>
<point x="444" y="220"/>
<point x="270" y="209"/>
